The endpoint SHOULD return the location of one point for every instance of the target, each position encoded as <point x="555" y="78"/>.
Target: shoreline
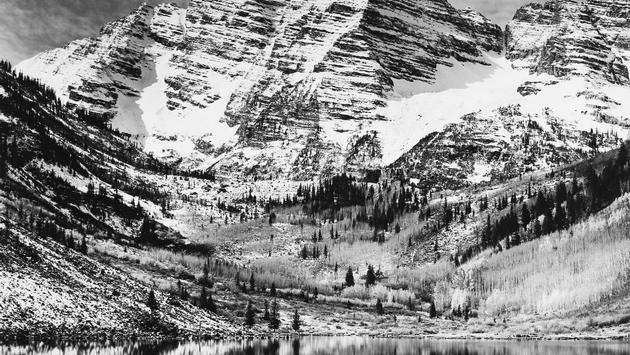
<point x="19" y="338"/>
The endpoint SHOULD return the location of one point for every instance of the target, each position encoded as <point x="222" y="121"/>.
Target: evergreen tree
<point x="516" y="239"/>
<point x="252" y="282"/>
<point x="547" y="225"/>
<point x="203" y="297"/>
<point x="561" y="217"/>
<point x="561" y="193"/>
<point x="206" y="271"/>
<point x="210" y="305"/>
<point x="447" y="217"/>
<point x="575" y="187"/>
<point x="541" y="204"/>
<point x="379" y="307"/>
<point x="272" y="292"/>
<point x="206" y="301"/>
<point x="432" y="311"/>
<point x="370" y="277"/>
<point x="458" y="311"/>
<point x="525" y="215"/>
<point x="622" y="156"/>
<point x="274" y="317"/>
<point x="3" y="156"/>
<point x="147" y="233"/>
<point x="296" y="321"/>
<point x="266" y="315"/>
<point x="250" y="315"/>
<point x="152" y="301"/>
<point x="349" y="278"/>
<point x="304" y="252"/>
<point x="591" y="181"/>
<point x="537" y="228"/>
<point x="571" y="210"/>
<point x="84" y="247"/>
<point x="183" y="293"/>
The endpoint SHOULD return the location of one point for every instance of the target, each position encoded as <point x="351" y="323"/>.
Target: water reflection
<point x="332" y="346"/>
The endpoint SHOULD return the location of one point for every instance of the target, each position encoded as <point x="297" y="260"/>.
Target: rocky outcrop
<point x="567" y="38"/>
<point x="500" y="144"/>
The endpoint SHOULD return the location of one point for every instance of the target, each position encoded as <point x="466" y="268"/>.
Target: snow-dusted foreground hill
<point x="49" y="290"/>
<point x="52" y="282"/>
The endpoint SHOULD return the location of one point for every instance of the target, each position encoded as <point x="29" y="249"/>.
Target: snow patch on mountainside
<point x="416" y="109"/>
<point x="62" y="77"/>
<point x="481" y="173"/>
<point x="165" y="131"/>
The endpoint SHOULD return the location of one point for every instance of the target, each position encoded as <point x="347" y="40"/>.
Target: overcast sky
<point x="28" y="27"/>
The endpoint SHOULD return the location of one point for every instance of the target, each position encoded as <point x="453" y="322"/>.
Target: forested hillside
<point x="66" y="183"/>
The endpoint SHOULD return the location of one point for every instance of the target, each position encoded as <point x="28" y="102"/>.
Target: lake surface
<point x="334" y="346"/>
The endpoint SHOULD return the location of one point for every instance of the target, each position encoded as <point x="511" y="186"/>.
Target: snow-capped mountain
<point x="266" y="86"/>
<point x="559" y="95"/>
<point x="304" y="87"/>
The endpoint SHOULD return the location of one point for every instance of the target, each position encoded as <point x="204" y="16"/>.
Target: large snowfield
<point x="417" y="109"/>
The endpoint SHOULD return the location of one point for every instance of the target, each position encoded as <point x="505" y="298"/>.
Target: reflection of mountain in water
<point x="342" y="346"/>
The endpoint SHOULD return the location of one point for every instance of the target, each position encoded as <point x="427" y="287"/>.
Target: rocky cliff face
<point x="559" y="95"/>
<point x="242" y="84"/>
<point x="566" y="38"/>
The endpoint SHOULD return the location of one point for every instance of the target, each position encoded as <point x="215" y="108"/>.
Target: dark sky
<point x="28" y="27"/>
<point x="499" y="11"/>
